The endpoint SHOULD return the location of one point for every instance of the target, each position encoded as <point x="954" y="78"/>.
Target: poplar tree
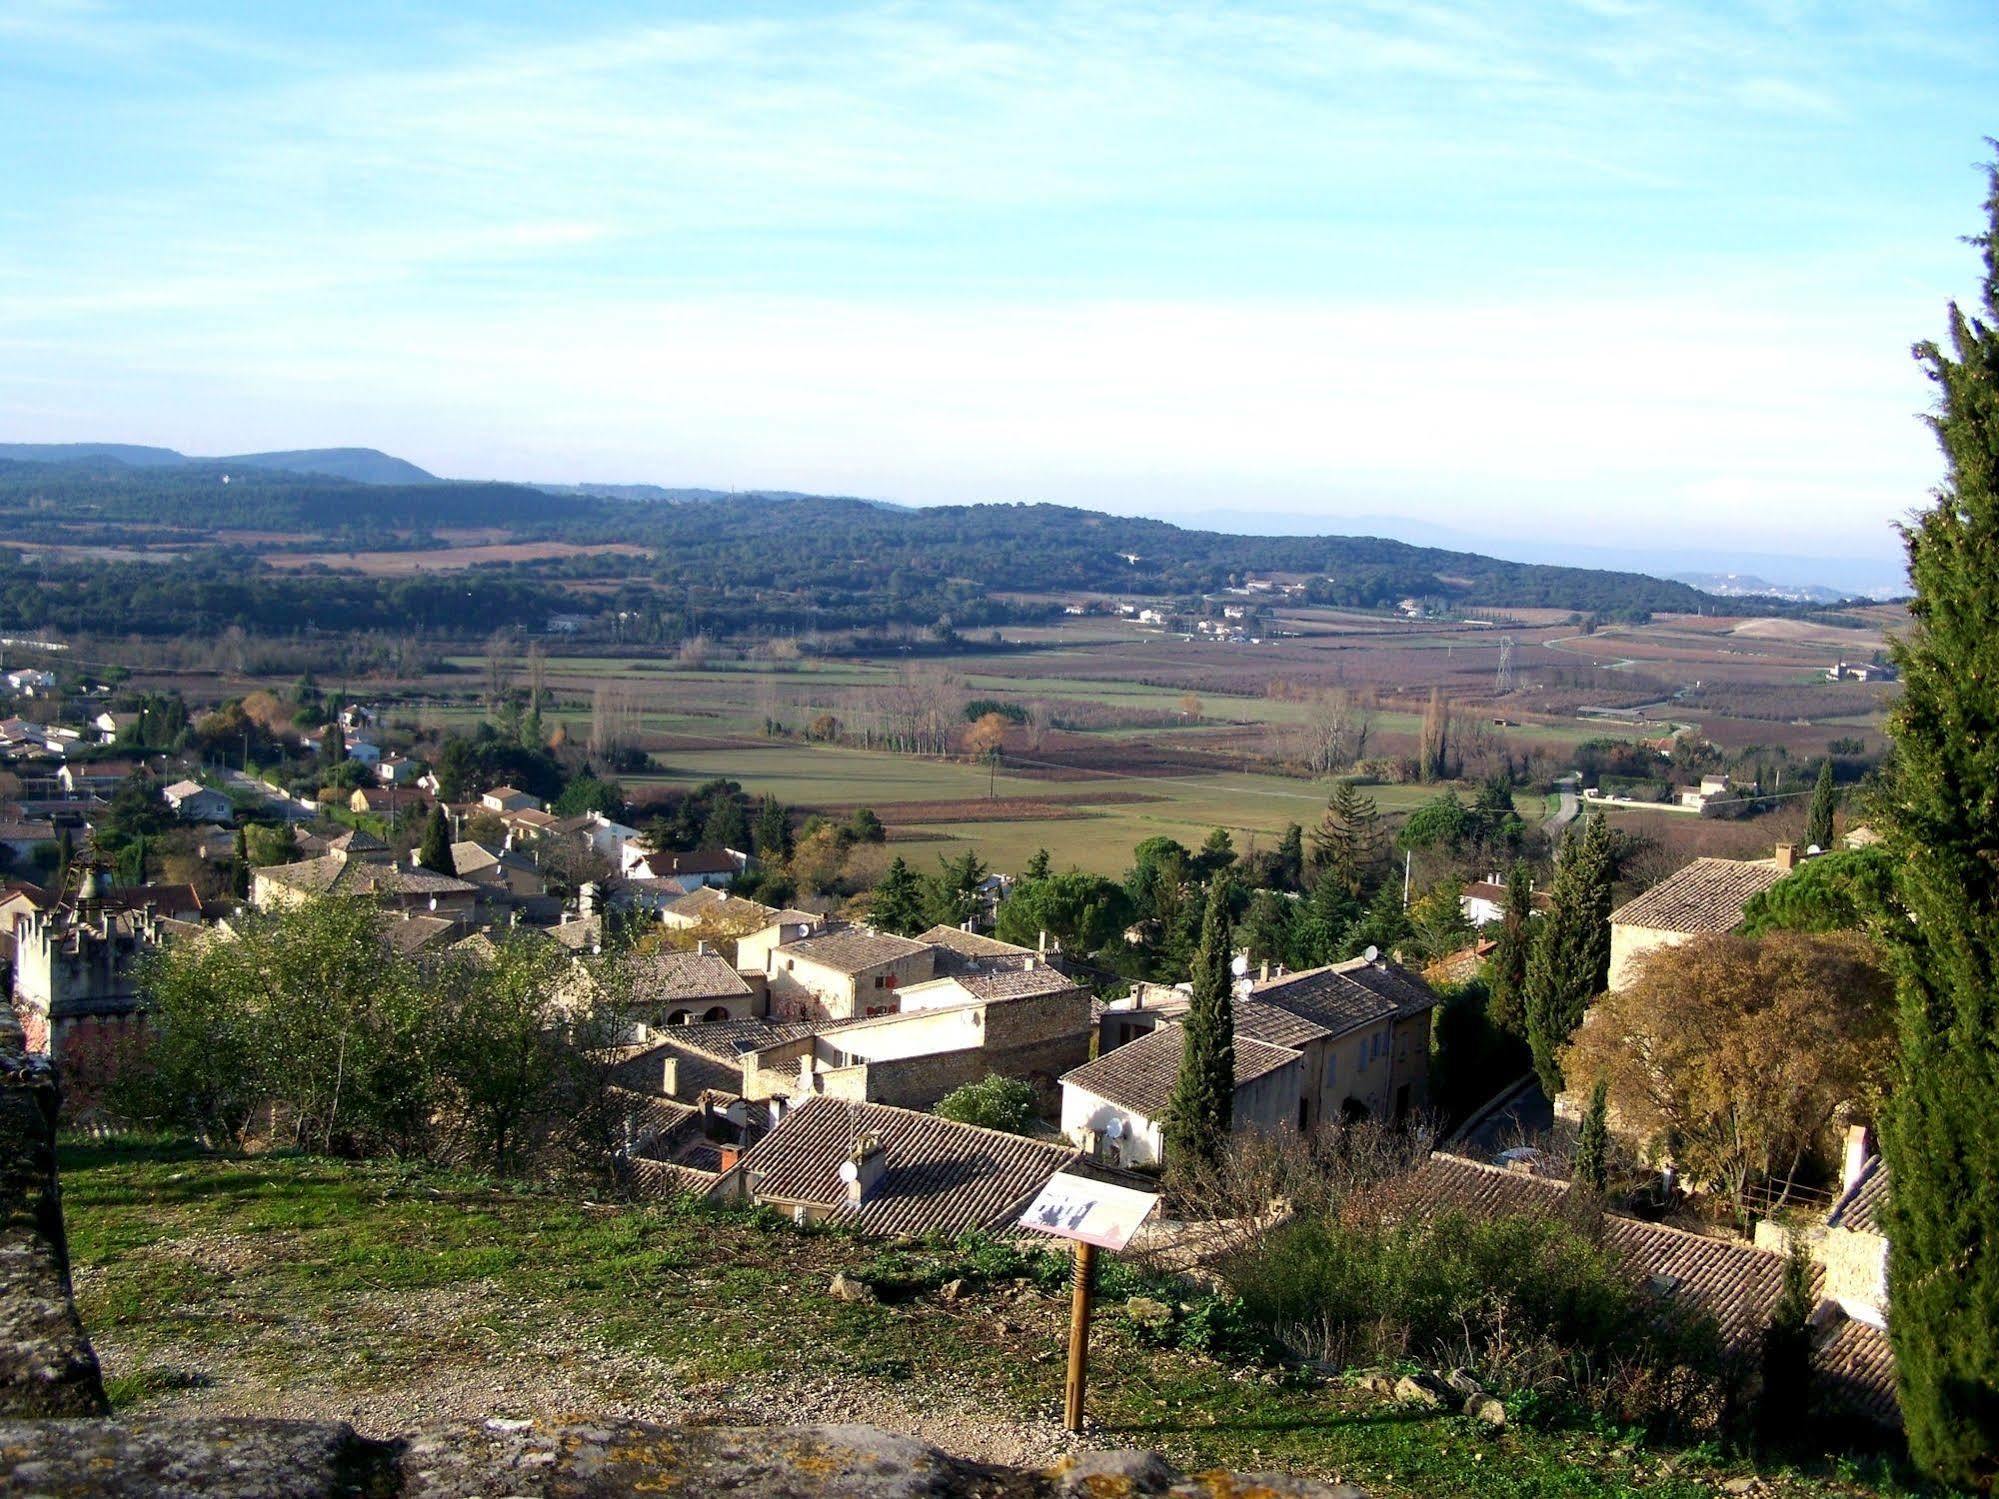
<point x="1941" y="826"/>
<point x="1203" y="1106"/>
<point x="1570" y="961"/>
<point x="1825" y="799"/>
<point x="1506" y="970"/>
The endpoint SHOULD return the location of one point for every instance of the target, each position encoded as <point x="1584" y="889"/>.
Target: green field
<point x="1254" y="808"/>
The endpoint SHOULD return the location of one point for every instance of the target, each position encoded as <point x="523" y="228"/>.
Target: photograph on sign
<point x="1090" y="1212"/>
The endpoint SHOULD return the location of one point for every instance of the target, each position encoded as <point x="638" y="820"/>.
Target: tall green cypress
<point x="1506" y="969"/>
<point x="1202" y="1109"/>
<point x="1825" y="800"/>
<point x="1592" y="1168"/>
<point x="1570" y="961"/>
<point x="1941" y="825"/>
<point x="434" y="853"/>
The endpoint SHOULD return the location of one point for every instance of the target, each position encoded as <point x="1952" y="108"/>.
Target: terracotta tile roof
<point x="1486" y="890"/>
<point x="727" y="1039"/>
<point x="712" y="903"/>
<point x="1140" y="1074"/>
<point x="1274" y="1025"/>
<point x="1705" y="897"/>
<point x="641" y="1068"/>
<point x="852" y="949"/>
<point x="1015" y="983"/>
<point x="939" y="1176"/>
<point x="413" y="934"/>
<point x="972" y="944"/>
<point x="1391" y="981"/>
<point x="659" y="978"/>
<point x="1344" y="997"/>
<point x="1859" y="1211"/>
<point x="1858" y="1362"/>
<point x="697" y="861"/>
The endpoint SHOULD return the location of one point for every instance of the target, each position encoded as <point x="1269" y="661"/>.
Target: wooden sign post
<point x="1095" y="1215"/>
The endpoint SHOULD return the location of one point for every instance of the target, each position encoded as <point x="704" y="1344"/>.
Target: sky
<point x="1607" y="270"/>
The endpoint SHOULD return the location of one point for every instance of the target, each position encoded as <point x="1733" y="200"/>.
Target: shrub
<point x="993" y="1102"/>
<point x="1534" y="1307"/>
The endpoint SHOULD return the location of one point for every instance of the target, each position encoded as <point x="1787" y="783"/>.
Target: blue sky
<point x="1608" y="268"/>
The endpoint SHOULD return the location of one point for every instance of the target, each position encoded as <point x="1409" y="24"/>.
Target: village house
<point x="1703" y="899"/>
<point x="507" y="799"/>
<point x="844" y="974"/>
<point x="398" y="770"/>
<point x="29" y="682"/>
<point x="1032" y="1025"/>
<point x="95" y="777"/>
<point x="21" y="836"/>
<point x="891" y="1171"/>
<point x="194" y="802"/>
<point x="388" y="801"/>
<point x="692" y="870"/>
<point x="279" y="886"/>
<point x="1335" y="1044"/>
<point x="1484" y="901"/>
<point x="507" y="881"/>
<point x="105" y="727"/>
<point x="754" y="950"/>
<point x="366" y="751"/>
<point x="679" y="988"/>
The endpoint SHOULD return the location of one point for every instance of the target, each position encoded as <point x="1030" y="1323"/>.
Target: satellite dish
<point x="1814" y="849"/>
<point x="1371" y="954"/>
<point x="1114" y="1130"/>
<point x="849" y="1172"/>
<point x="1239" y="965"/>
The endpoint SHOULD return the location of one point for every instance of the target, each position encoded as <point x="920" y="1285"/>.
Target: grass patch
<point x="330" y="1278"/>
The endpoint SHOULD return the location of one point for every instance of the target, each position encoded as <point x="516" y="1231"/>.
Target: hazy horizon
<point x="1601" y="271"/>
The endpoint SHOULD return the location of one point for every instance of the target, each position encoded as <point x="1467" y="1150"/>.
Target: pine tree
<point x="1266" y="929"/>
<point x="1592" y="1168"/>
<point x="898" y="902"/>
<point x="1037" y="866"/>
<point x="772" y="834"/>
<point x="1942" y="830"/>
<point x="1506" y="969"/>
<point x="434" y="853"/>
<point x="1202" y="1110"/>
<point x="1825" y="798"/>
<point x="1570" y="960"/>
<point x="1290" y="866"/>
<point x="1347" y="843"/>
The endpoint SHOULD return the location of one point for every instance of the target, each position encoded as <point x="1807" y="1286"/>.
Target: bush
<point x="993" y="1102"/>
<point x="1534" y="1307"/>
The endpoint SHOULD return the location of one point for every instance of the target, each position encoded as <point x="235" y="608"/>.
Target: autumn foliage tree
<point x="1742" y="1051"/>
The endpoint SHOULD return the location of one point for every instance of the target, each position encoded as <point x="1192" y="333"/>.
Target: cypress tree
<point x="1203" y="1106"/>
<point x="1784" y="1403"/>
<point x="434" y="853"/>
<point x="1570" y="961"/>
<point x="1289" y="868"/>
<point x="1825" y="798"/>
<point x="1941" y="825"/>
<point x="1592" y="1168"/>
<point x="1506" y="969"/>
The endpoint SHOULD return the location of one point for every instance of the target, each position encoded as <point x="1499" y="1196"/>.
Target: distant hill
<point x="1749" y="585"/>
<point x="362" y="465"/>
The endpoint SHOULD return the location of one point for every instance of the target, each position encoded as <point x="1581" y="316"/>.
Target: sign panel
<point x="1090" y="1212"/>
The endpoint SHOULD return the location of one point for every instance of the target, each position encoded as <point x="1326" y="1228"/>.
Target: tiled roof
<point x="730" y="1038"/>
<point x="413" y="934"/>
<point x="641" y="1069"/>
<point x="667" y="976"/>
<point x="356" y="841"/>
<point x="1274" y="1025"/>
<point x="852" y="949"/>
<point x="696" y="861"/>
<point x="1140" y="1074"/>
<point x="972" y="944"/>
<point x="712" y="903"/>
<point x="1859" y="1211"/>
<point x="1486" y="890"/>
<point x="579" y="933"/>
<point x="1707" y="896"/>
<point x="1858" y="1362"/>
<point x="938" y="1177"/>
<point x="471" y="858"/>
<point x="1015" y="983"/>
<point x="1344" y="997"/>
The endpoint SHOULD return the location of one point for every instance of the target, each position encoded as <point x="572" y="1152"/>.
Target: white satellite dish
<point x="1114" y="1130"/>
<point x="1371" y="954"/>
<point x="1814" y="849"/>
<point x="849" y="1172"/>
<point x="1239" y="965"/>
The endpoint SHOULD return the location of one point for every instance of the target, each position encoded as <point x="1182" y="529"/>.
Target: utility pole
<point x="1079" y="1338"/>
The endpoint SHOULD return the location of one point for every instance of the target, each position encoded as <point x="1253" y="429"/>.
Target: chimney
<point x="669" y="1076"/>
<point x="1263" y="971"/>
<point x="1041" y="942"/>
<point x="701" y="948"/>
<point x="862" y="1171"/>
<point x="1859" y="1150"/>
<point x="730" y="1154"/>
<point x="1787" y="856"/>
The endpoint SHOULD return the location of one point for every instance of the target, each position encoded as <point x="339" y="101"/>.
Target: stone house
<point x="194" y="802"/>
<point x="507" y="799"/>
<point x="413" y="889"/>
<point x="678" y="988"/>
<point x="754" y="949"/>
<point x="845" y="974"/>
<point x="1703" y="899"/>
<point x="1115" y="1108"/>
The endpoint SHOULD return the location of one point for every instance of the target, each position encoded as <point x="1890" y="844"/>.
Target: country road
<point x="1566" y="812"/>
